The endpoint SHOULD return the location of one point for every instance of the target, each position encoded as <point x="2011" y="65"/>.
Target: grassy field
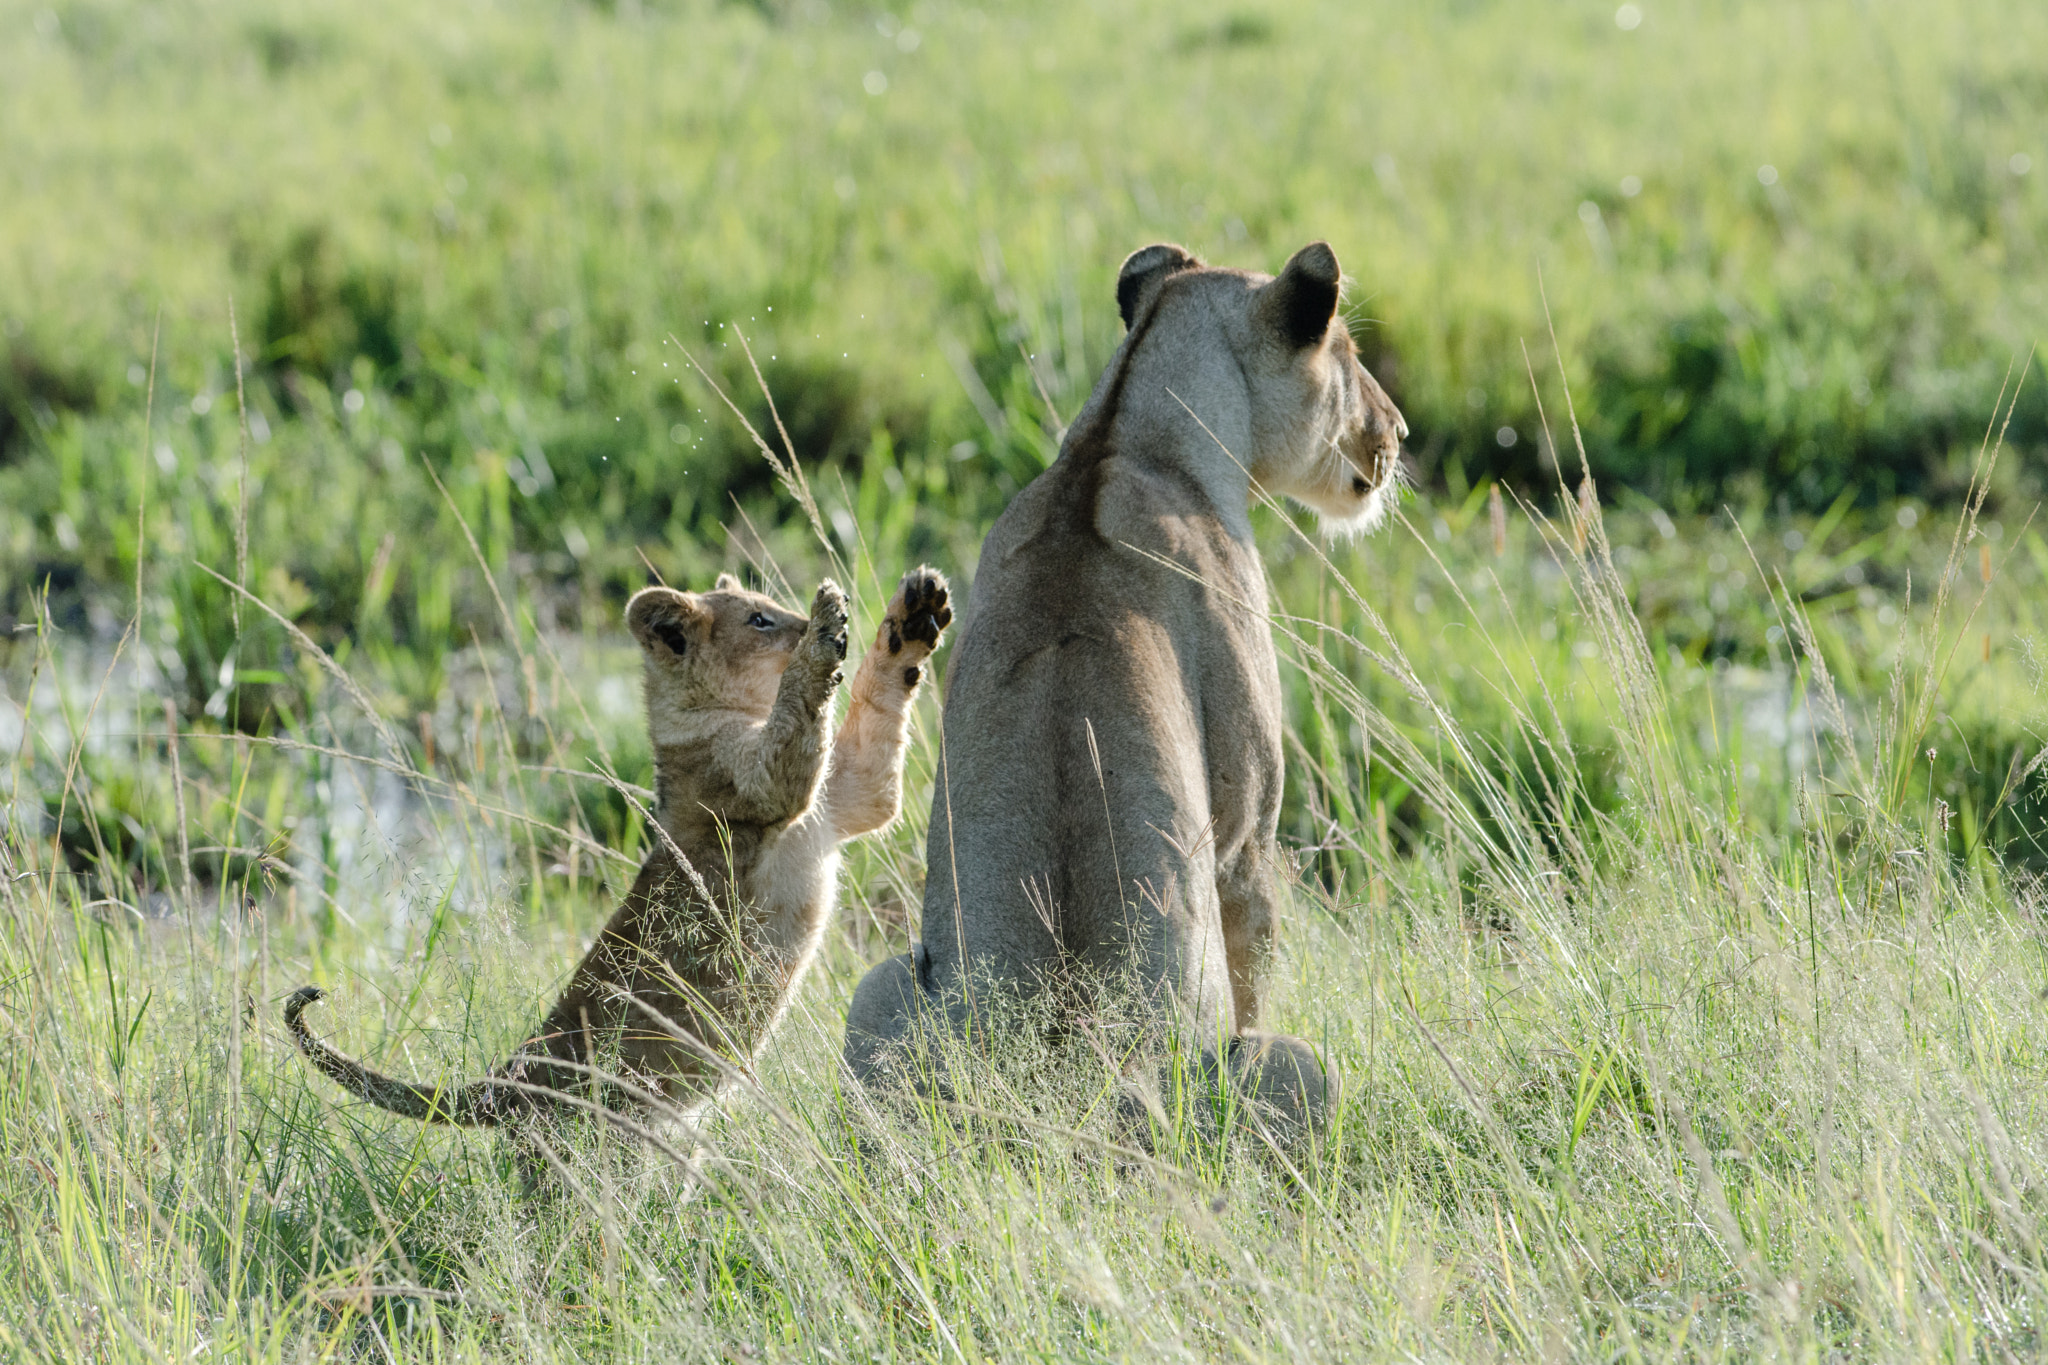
<point x="1682" y="1007"/>
<point x="1671" y="864"/>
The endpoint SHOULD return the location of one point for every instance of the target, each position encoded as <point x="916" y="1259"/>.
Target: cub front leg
<point x="865" y="787"/>
<point x="780" y="775"/>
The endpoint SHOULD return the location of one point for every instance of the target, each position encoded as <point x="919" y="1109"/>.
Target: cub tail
<point x="475" y="1104"/>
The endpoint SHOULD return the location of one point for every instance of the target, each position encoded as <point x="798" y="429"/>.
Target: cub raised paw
<point x="865" y="787"/>
<point x="824" y="642"/>
<point x="918" y="615"/>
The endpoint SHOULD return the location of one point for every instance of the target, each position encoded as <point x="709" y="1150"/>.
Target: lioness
<point x="694" y="969"/>
<point x="1110" y="791"/>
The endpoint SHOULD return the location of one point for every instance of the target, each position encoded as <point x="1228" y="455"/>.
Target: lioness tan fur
<point x="694" y="970"/>
<point x="1110" y="793"/>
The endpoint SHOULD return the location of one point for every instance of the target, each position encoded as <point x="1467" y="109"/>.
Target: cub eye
<point x="760" y="621"/>
<point x="1359" y="485"/>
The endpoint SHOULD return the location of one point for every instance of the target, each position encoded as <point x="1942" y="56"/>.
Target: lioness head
<point x="1322" y="429"/>
<point x="726" y="648"/>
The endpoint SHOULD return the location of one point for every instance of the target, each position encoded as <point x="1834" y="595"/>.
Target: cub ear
<point x="726" y="583"/>
<point x="1142" y="269"/>
<point x="662" y="618"/>
<point x="1304" y="295"/>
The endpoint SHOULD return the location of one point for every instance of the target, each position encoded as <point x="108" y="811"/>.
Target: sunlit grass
<point x="1668" y="878"/>
<point x="1695" y="1035"/>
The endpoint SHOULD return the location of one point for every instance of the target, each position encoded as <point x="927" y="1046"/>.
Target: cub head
<point x="724" y="649"/>
<point x="1320" y="428"/>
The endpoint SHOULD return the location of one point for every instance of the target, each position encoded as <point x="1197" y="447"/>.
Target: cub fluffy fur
<point x="693" y="971"/>
<point x="1111" y="795"/>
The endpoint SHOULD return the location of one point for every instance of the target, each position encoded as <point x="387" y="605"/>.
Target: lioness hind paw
<point x="922" y="609"/>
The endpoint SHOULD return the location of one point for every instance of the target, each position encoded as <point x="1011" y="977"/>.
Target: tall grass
<point x="1671" y="1025"/>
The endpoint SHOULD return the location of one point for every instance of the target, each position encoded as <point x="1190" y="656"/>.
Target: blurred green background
<point x="1791" y="253"/>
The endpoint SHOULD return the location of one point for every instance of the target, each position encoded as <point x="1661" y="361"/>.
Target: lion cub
<point x="694" y="970"/>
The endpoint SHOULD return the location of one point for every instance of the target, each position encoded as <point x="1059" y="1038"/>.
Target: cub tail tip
<point x="296" y="1004"/>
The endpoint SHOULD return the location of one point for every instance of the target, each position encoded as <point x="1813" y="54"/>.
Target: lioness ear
<point x="726" y="583"/>
<point x="665" y="618"/>
<point x="1143" y="268"/>
<point x="1304" y="296"/>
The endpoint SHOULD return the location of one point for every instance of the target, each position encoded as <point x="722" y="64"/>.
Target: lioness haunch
<point x="1110" y="793"/>
<point x="678" y="988"/>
